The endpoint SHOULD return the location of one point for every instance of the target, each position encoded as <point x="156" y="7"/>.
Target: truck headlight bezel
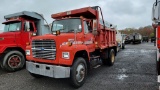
<point x="28" y="52"/>
<point x="65" y="55"/>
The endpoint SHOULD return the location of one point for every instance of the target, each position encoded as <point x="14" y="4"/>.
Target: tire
<point x="35" y="75"/>
<point x="13" y="61"/>
<point x="108" y="60"/>
<point x="111" y="58"/>
<point x="123" y="45"/>
<point x="78" y="72"/>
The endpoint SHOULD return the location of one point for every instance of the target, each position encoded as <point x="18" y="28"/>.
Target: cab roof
<point x="24" y="13"/>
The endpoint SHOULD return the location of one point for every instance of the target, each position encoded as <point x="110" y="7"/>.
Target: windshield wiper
<point x="57" y="30"/>
<point x="12" y="31"/>
<point x="72" y="30"/>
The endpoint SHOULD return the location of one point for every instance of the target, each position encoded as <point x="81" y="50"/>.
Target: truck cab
<point x="18" y="30"/>
<point x="17" y="33"/>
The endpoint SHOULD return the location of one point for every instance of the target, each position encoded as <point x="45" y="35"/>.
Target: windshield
<point x="9" y="27"/>
<point x="67" y="25"/>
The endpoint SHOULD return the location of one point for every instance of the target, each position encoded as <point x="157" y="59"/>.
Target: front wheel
<point x="110" y="57"/>
<point x="13" y="61"/>
<point x="78" y="72"/>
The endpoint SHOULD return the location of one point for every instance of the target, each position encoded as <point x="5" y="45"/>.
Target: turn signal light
<point x="27" y="43"/>
<point x="96" y="42"/>
<point x="69" y="43"/>
<point x="81" y="17"/>
<point x="57" y="32"/>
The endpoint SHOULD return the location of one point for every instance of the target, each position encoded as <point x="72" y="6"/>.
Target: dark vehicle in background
<point x="145" y="39"/>
<point x="127" y="39"/>
<point x="135" y="38"/>
<point x="152" y="39"/>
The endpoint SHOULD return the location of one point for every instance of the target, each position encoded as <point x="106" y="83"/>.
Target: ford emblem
<point x="42" y="49"/>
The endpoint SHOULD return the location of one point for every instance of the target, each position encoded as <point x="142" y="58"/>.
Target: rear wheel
<point x="13" y="61"/>
<point x="111" y="59"/>
<point x="78" y="72"/>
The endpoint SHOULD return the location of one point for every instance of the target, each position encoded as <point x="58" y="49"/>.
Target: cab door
<point x="12" y="35"/>
<point x="26" y="35"/>
<point x="88" y="37"/>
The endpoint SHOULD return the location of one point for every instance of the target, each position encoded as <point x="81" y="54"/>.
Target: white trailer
<point x="120" y="38"/>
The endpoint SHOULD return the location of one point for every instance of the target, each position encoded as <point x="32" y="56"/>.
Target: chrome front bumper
<point x="48" y="70"/>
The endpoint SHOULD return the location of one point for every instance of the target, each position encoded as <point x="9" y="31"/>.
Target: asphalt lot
<point x="134" y="69"/>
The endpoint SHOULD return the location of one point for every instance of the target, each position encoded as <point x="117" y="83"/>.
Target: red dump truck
<point x="79" y="41"/>
<point x="156" y="26"/>
<point x="19" y="28"/>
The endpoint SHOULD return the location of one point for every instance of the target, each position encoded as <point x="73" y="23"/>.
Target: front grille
<point x="44" y="49"/>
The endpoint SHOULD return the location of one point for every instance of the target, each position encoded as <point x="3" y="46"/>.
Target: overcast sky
<point x="123" y="13"/>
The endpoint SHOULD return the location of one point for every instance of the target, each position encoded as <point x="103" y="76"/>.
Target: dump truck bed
<point x="87" y="12"/>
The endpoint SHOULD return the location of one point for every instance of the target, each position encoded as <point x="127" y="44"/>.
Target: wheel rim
<point x="14" y="61"/>
<point x="112" y="57"/>
<point x="80" y="72"/>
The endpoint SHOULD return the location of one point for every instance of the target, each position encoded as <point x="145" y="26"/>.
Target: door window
<point x="85" y="27"/>
<point x="29" y="26"/>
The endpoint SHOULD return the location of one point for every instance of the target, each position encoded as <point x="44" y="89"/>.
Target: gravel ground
<point x="134" y="69"/>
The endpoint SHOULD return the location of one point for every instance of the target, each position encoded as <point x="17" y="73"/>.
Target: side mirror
<point x="27" y="26"/>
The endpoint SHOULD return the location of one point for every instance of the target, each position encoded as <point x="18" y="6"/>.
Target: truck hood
<point x="7" y="37"/>
<point x="60" y="38"/>
<point x="6" y="34"/>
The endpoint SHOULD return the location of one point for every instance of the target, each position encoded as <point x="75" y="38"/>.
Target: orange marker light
<point x="27" y="43"/>
<point x="69" y="43"/>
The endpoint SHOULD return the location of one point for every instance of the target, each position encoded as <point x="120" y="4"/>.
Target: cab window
<point x="9" y="27"/>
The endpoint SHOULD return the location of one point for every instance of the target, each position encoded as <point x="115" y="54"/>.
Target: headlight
<point x="27" y="52"/>
<point x="65" y="55"/>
